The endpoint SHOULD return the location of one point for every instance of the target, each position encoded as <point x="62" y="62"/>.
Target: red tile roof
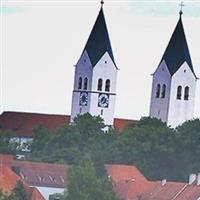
<point x="42" y="174"/>
<point x="38" y="173"/>
<point x="122" y="123"/>
<point x="128" y="181"/>
<point x="33" y="193"/>
<point x="23" y="123"/>
<point x="165" y="192"/>
<point x="130" y="184"/>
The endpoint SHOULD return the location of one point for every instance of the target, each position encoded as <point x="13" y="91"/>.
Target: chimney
<point x="192" y="178"/>
<point x="198" y="179"/>
<point x="163" y="182"/>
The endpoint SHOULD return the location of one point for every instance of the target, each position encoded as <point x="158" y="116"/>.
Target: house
<point x="9" y="179"/>
<point x="129" y="184"/>
<point x="44" y="179"/>
<point x="38" y="178"/>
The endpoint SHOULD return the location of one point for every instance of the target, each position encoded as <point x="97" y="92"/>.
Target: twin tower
<point x="173" y="87"/>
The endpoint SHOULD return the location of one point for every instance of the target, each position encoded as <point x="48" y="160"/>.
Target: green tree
<point x="89" y="125"/>
<point x="188" y="148"/>
<point x="84" y="184"/>
<point x="3" y="196"/>
<point x="19" y="192"/>
<point x="149" y="145"/>
<point x="7" y="145"/>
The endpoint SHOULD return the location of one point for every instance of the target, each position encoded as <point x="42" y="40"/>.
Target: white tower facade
<point x="174" y="82"/>
<point x="95" y="76"/>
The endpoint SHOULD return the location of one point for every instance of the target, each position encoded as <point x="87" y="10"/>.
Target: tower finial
<point x="102" y="2"/>
<point x="181" y="10"/>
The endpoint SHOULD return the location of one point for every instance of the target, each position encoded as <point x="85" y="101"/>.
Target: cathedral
<point x="95" y="78"/>
<point x="174" y="81"/>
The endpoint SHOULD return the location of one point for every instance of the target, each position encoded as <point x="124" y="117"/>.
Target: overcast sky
<point x="42" y="40"/>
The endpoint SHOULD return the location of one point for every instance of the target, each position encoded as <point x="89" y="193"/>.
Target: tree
<point x="84" y="184"/>
<point x="7" y="145"/>
<point x="148" y="145"/>
<point x="89" y="125"/>
<point x="19" y="192"/>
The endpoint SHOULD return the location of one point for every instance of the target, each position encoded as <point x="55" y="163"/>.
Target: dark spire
<point x="99" y="42"/>
<point x="177" y="51"/>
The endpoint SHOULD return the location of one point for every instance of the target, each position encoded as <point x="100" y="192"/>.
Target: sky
<point x="41" y="41"/>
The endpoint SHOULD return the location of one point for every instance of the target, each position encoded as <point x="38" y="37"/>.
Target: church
<point x="174" y="82"/>
<point x="95" y="78"/>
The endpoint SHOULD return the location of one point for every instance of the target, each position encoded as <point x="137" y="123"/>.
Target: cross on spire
<point x="181" y="10"/>
<point x="102" y="2"/>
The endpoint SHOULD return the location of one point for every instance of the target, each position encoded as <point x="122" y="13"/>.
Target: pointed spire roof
<point x="177" y="51"/>
<point x="99" y="42"/>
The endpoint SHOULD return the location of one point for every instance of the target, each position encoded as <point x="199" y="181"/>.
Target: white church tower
<point x="174" y="82"/>
<point x="95" y="75"/>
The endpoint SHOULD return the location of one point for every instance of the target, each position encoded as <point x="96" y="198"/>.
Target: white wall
<point x="47" y="191"/>
<point x="159" y="106"/>
<point x="182" y="110"/>
<point x="104" y="69"/>
<point x="83" y="69"/>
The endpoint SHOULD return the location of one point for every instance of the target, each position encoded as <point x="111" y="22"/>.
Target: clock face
<point x="83" y="99"/>
<point x="103" y="100"/>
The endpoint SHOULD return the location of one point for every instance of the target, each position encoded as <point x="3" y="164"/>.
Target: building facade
<point x="95" y="76"/>
<point x="174" y="82"/>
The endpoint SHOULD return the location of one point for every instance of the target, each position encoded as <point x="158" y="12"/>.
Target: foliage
<point x="159" y="151"/>
<point x="7" y="146"/>
<point x="57" y="196"/>
<point x="18" y="193"/>
<point x="84" y="184"/>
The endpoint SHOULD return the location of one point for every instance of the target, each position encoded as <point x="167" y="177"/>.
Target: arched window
<point x="100" y="83"/>
<point x="107" y="87"/>
<point x="179" y="92"/>
<point x="80" y="83"/>
<point x="163" y="91"/>
<point x="158" y="91"/>
<point x="85" y="84"/>
<point x="186" y="93"/>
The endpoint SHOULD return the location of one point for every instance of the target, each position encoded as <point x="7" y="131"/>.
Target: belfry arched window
<point x="179" y="92"/>
<point x="163" y="91"/>
<point x="85" y="83"/>
<point x="186" y="93"/>
<point x="100" y="83"/>
<point x="158" y="91"/>
<point x="80" y="83"/>
<point x="107" y="87"/>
